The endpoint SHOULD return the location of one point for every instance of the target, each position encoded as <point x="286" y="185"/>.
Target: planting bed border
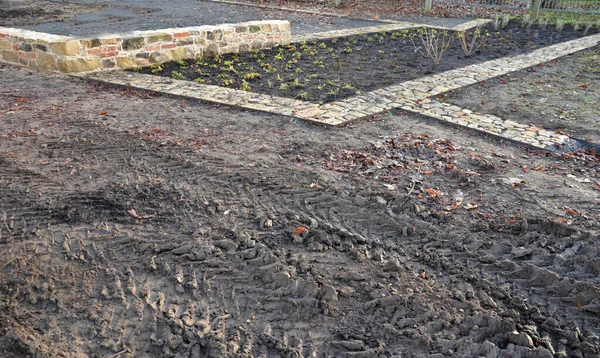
<point x="413" y="96"/>
<point x="138" y="48"/>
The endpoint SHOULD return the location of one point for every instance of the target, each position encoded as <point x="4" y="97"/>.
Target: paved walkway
<point x="415" y="96"/>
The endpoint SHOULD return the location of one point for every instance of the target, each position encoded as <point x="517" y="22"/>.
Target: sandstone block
<point x="133" y="43"/>
<point x="111" y="40"/>
<point x="91" y="43"/>
<point x="176" y="54"/>
<point x="125" y="62"/>
<point x="10" y="56"/>
<point x="46" y="61"/>
<point x="5" y="45"/>
<point x="141" y="62"/>
<point x="67" y="48"/>
<point x="161" y="37"/>
<point x="82" y="64"/>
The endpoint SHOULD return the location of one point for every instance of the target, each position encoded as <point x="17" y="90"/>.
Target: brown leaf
<point x="300" y="230"/>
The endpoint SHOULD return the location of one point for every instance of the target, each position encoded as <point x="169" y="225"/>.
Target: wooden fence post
<point x="428" y="5"/>
<point x="535" y="10"/>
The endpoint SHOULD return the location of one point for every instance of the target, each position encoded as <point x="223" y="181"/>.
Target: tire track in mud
<point x="218" y="273"/>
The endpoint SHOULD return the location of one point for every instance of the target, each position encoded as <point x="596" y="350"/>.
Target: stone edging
<point x="400" y="25"/>
<point x="413" y="96"/>
<point x="139" y="48"/>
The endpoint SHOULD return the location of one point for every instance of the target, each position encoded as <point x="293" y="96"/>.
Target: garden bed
<point x="325" y="71"/>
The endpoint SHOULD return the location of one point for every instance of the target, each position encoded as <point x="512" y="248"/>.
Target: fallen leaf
<point x="314" y="185"/>
<point x="103" y="113"/>
<point x="471" y="206"/>
<point x="134" y="214"/>
<point x="300" y="230"/>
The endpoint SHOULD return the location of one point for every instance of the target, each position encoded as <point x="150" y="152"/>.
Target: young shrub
<point x="434" y="42"/>
<point x="470" y="42"/>
<point x="526" y="21"/>
<point x="496" y="22"/>
<point x="505" y="20"/>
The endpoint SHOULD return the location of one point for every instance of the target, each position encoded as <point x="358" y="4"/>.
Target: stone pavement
<point x="414" y="96"/>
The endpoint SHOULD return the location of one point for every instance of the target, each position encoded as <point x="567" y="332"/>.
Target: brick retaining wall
<point x="139" y="48"/>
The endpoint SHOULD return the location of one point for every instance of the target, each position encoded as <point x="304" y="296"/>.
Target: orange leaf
<point x="300" y="230"/>
<point x="427" y="173"/>
<point x="430" y="191"/>
<point x="423" y="275"/>
<point x="103" y="113"/>
<point x="420" y="196"/>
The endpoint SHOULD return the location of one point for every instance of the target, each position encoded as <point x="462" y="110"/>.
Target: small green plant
<point x="543" y="22"/>
<point x="347" y="86"/>
<point x="156" y="68"/>
<point x="348" y="50"/>
<point x="199" y="80"/>
<point x="278" y="57"/>
<point x="245" y="86"/>
<point x="283" y="87"/>
<point x="302" y="95"/>
<point x="298" y="70"/>
<point x="319" y="63"/>
<point x="333" y="92"/>
<point x="269" y="83"/>
<point x="223" y="76"/>
<point x="370" y="39"/>
<point x="291" y="48"/>
<point x="297" y="83"/>
<point x="576" y="27"/>
<point x="334" y="40"/>
<point x="251" y="76"/>
<point x="198" y="60"/>
<point x="218" y="59"/>
<point x="176" y="75"/>
<point x="322" y="45"/>
<point x="136" y="69"/>
<point x="279" y="78"/>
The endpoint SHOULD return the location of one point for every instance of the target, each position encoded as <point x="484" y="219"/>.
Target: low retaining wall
<point x="139" y="48"/>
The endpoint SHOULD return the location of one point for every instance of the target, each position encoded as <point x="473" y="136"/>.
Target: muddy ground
<point x="559" y="95"/>
<point x="139" y="225"/>
<point x="145" y="225"/>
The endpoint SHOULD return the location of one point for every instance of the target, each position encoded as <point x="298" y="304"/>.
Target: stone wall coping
<point x="28" y="34"/>
<point x="11" y="31"/>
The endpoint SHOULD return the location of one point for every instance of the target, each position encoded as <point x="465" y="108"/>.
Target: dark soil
<point x="340" y="68"/>
<point x="562" y="95"/>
